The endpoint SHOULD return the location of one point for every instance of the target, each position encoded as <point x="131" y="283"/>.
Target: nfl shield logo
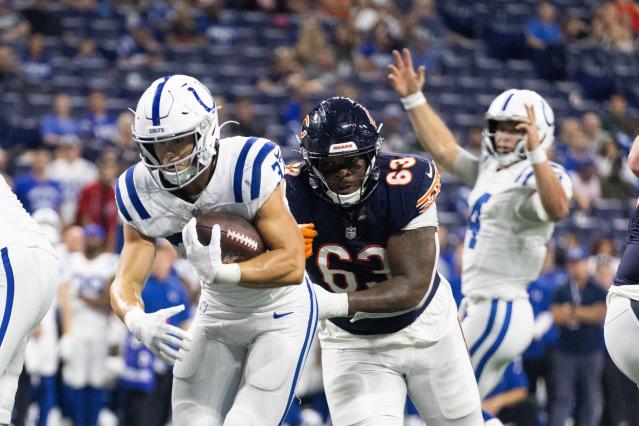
<point x="351" y="232"/>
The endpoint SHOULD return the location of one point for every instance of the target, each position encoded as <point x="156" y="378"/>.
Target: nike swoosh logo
<point x="276" y="315"/>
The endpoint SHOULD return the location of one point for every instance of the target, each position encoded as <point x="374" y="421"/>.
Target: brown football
<point x="239" y="240"/>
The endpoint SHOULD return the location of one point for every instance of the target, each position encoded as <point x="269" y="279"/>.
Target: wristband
<point x="228" y="273"/>
<point x="414" y="100"/>
<point x="537" y="155"/>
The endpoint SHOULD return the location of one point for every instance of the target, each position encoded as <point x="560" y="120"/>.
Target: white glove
<point x="330" y="305"/>
<point x="163" y="339"/>
<point x="207" y="260"/>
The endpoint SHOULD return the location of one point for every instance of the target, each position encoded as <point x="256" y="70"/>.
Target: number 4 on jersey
<point x="473" y="222"/>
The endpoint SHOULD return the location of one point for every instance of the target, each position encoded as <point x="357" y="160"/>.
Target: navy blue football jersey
<point x="349" y="252"/>
<point x="628" y="270"/>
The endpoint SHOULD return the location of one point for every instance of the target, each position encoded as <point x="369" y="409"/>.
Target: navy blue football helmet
<point x="340" y="127"/>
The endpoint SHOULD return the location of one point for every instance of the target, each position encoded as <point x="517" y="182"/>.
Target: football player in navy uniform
<point x="389" y="325"/>
<point x="621" y="329"/>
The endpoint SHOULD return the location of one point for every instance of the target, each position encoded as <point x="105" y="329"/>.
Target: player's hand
<point x="205" y="259"/>
<point x="309" y="233"/>
<point x="529" y="125"/>
<point x="163" y="339"/>
<point x="402" y="75"/>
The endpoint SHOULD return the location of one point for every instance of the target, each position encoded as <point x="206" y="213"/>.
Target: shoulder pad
<point x="127" y="194"/>
<point x="258" y="169"/>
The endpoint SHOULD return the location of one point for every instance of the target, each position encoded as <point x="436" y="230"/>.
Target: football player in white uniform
<point x="28" y="283"/>
<point x="84" y="345"/>
<point x="516" y="196"/>
<point x="241" y="358"/>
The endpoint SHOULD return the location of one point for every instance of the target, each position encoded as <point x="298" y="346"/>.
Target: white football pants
<point x="28" y="283"/>
<point x="368" y="387"/>
<point x="496" y="332"/>
<point x="242" y="368"/>
<point x="621" y="332"/>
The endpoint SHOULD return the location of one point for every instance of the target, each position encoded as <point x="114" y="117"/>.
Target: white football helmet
<point x="510" y="106"/>
<point x="174" y="107"/>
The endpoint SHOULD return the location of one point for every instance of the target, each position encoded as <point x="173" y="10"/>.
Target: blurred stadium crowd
<point x="70" y="69"/>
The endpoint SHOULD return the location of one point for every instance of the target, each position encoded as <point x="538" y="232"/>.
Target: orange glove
<point x="308" y="232"/>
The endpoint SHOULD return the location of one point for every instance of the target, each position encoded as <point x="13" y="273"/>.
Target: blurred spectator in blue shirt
<point x="543" y="30"/>
<point x="98" y="126"/>
<point x="509" y="401"/>
<point x="60" y="124"/>
<point x="424" y="54"/>
<point x="88" y="57"/>
<point x="139" y="47"/>
<point x="34" y="190"/>
<point x="578" y="309"/>
<point x="36" y="64"/>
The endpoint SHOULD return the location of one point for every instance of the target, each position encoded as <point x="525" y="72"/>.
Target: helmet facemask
<point x="319" y="165"/>
<point x="504" y="159"/>
<point x="168" y="176"/>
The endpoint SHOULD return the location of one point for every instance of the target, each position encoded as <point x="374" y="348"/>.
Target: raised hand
<point x="529" y="125"/>
<point x="402" y="75"/>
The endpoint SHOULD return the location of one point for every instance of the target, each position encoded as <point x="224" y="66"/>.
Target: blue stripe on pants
<point x="500" y="338"/>
<point x="8" y="270"/>
<point x="491" y="321"/>
<point x="310" y="333"/>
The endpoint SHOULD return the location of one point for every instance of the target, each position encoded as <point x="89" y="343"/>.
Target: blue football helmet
<point x="340" y="127"/>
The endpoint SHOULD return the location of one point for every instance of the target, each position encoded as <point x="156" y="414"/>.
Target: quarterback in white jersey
<point x="27" y="288"/>
<point x="241" y="358"/>
<point x="517" y="195"/>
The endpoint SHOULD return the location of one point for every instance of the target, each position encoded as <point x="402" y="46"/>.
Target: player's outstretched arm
<point x="412" y="257"/>
<point x="284" y="263"/>
<point x="433" y="134"/>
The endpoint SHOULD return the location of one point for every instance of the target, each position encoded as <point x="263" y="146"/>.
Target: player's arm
<point x="551" y="193"/>
<point x="433" y="134"/>
<point x="633" y="157"/>
<point x="136" y="261"/>
<point x="134" y="267"/>
<point x="283" y="264"/>
<point x="412" y="256"/>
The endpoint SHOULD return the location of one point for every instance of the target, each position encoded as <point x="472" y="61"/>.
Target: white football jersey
<point x="89" y="277"/>
<point x="504" y="247"/>
<point x="247" y="172"/>
<point x="16" y="224"/>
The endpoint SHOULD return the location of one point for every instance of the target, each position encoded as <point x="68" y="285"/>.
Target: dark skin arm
<point x="411" y="256"/>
